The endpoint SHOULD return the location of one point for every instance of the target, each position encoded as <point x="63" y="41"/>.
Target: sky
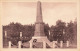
<point x="25" y="12"/>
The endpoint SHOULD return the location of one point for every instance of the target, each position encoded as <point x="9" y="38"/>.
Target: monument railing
<point x="44" y="44"/>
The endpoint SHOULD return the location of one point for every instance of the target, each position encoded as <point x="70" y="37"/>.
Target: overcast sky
<point x="25" y="12"/>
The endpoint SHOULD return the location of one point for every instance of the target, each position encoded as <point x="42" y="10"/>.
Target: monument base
<point x="42" y="39"/>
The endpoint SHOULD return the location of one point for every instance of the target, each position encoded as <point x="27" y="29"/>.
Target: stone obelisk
<point x="39" y="25"/>
<point x="39" y="34"/>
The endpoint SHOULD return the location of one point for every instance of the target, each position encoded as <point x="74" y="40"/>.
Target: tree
<point x="75" y="32"/>
<point x="57" y="31"/>
<point x="72" y="32"/>
<point x="53" y="35"/>
<point x="14" y="29"/>
<point x="46" y="30"/>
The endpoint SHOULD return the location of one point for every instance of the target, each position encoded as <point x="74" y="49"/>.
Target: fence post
<point x="67" y="44"/>
<point x="19" y="44"/>
<point x="20" y="34"/>
<point x="61" y="44"/>
<point x="54" y="44"/>
<point x="5" y="33"/>
<point x="9" y="44"/>
<point x="44" y="44"/>
<point x="30" y="44"/>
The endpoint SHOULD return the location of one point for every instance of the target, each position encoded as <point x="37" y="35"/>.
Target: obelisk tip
<point x="39" y="1"/>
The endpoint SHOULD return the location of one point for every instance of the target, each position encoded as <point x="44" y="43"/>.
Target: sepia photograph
<point x="39" y="25"/>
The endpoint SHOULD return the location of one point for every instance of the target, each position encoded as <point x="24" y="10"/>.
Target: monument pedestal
<point x="42" y="39"/>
